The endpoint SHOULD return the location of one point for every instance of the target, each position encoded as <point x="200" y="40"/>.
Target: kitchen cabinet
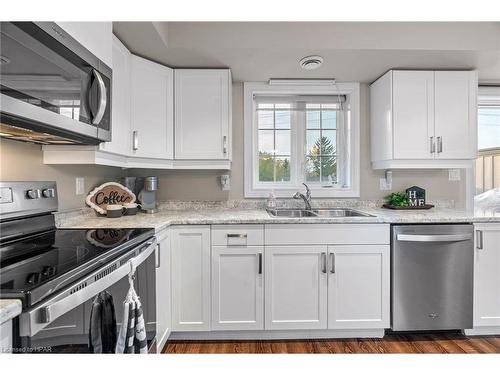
<point x="120" y="109"/>
<point x="423" y="119"/>
<point x="487" y="278"/>
<point x="151" y="90"/>
<point x="358" y="286"/>
<point x="190" y="278"/>
<point x="202" y="114"/>
<point x="296" y="287"/>
<point x="95" y="36"/>
<point x="163" y="289"/>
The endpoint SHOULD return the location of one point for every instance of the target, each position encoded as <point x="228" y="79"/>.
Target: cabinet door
<point x="487" y="276"/>
<point x="120" y="115"/>
<point x="359" y="287"/>
<point x="202" y="113"/>
<point x="191" y="278"/>
<point x="413" y="110"/>
<point x="163" y="290"/>
<point x="296" y="287"/>
<point x="237" y="288"/>
<point x="152" y="109"/>
<point x="455" y="114"/>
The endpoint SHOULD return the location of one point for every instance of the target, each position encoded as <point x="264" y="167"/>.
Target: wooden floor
<point x="441" y="343"/>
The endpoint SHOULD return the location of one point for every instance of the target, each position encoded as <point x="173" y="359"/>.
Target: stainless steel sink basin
<point x="338" y="212"/>
<point x="316" y="212"/>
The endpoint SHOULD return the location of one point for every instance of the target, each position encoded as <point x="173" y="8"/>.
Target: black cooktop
<point x="34" y="267"/>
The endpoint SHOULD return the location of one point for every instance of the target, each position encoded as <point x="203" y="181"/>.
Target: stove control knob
<point x="48" y="193"/>
<point x="33" y="193"/>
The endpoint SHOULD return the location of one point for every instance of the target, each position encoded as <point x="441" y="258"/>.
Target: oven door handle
<point x="103" y="100"/>
<point x="434" y="237"/>
<point x="34" y="320"/>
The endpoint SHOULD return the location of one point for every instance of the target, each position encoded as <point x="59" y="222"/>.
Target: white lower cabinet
<point x="190" y="278"/>
<point x="487" y="276"/>
<point x="296" y="287"/>
<point x="237" y="288"/>
<point x="358" y="286"/>
<point x="163" y="289"/>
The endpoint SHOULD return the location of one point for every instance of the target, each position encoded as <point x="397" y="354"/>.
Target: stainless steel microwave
<point x="53" y="90"/>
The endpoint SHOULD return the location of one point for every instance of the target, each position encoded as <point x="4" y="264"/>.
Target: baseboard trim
<point x="482" y="331"/>
<point x="278" y="335"/>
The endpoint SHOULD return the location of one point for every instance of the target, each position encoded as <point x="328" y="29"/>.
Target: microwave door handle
<point x="103" y="99"/>
<point x="434" y="237"/>
<point x="33" y="321"/>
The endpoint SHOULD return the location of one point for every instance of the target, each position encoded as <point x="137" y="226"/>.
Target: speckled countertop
<point x="237" y="215"/>
<point x="9" y="309"/>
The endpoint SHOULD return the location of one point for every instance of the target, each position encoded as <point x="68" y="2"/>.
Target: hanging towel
<point x="102" y="330"/>
<point x="132" y="336"/>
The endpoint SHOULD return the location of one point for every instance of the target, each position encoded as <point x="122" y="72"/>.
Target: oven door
<point x="52" y="86"/>
<point x="61" y="324"/>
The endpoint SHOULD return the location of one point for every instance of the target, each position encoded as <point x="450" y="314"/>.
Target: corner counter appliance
<point x="432" y="277"/>
<point x="147" y="196"/>
<point x="53" y="90"/>
<point x="57" y="273"/>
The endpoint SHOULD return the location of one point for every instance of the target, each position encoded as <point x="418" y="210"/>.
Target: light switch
<point x="454" y="174"/>
<point x="80" y="186"/>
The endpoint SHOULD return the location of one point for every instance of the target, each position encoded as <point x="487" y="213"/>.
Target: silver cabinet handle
<point x="236" y="235"/>
<point x="332" y="262"/>
<point x="158" y="259"/>
<point x="135" y="140"/>
<point x="440" y="144"/>
<point x="479" y="239"/>
<point x="323" y="262"/>
<point x="432" y="145"/>
<point x="434" y="238"/>
<point x="260" y="263"/>
<point x="224" y="145"/>
<point x="103" y="100"/>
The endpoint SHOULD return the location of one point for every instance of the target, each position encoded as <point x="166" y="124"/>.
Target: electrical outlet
<point x="384" y="185"/>
<point x="80" y="186"/>
<point x="454" y="174"/>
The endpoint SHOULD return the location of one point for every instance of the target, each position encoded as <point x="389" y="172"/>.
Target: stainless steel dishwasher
<point x="431" y="277"/>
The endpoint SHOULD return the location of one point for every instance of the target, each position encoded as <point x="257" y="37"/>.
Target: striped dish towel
<point x="132" y="336"/>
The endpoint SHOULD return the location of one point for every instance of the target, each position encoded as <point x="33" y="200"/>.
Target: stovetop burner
<point x="49" y="260"/>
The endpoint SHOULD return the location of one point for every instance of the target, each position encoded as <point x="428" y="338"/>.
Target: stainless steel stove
<point x="58" y="272"/>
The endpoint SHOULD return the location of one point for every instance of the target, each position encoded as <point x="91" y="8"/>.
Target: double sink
<point x="315" y="212"/>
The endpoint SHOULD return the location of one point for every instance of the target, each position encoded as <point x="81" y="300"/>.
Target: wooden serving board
<point x="424" y="207"/>
<point x="109" y="193"/>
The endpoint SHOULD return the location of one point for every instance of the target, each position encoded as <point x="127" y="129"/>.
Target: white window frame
<point x="255" y="189"/>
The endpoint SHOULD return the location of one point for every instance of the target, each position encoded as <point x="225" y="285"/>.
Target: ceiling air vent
<point x="311" y="62"/>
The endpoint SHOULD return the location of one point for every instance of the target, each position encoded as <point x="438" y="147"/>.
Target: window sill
<point x="315" y="192"/>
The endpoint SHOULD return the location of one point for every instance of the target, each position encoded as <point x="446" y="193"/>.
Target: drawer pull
<point x="234" y="235"/>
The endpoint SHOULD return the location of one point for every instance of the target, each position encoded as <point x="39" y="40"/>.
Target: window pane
<point x="488" y="127"/>
<point x="329" y="142"/>
<point x="313" y="169"/>
<point x="282" y="166"/>
<point x="313" y="142"/>
<point x="283" y="141"/>
<point x="266" y="119"/>
<point x="329" y="119"/>
<point x="313" y="119"/>
<point x="328" y="169"/>
<point x="283" y="119"/>
<point x="266" y="141"/>
<point x="266" y="168"/>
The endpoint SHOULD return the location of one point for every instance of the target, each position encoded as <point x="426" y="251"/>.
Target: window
<point x="488" y="127"/>
<point x="297" y="134"/>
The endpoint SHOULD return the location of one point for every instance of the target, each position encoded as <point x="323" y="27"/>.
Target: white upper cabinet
<point x="95" y="36"/>
<point x="120" y="109"/>
<point x="151" y="109"/>
<point x="202" y="114"/>
<point x="423" y="119"/>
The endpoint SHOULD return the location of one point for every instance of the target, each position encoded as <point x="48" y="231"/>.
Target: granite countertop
<point x="166" y="217"/>
<point x="9" y="309"/>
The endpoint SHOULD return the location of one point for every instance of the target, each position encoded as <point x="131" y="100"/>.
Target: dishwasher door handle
<point x="434" y="237"/>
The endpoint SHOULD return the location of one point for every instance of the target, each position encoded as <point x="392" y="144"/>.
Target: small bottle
<point x="271" y="200"/>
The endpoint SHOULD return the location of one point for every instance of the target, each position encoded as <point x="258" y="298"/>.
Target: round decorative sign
<point x="109" y="193"/>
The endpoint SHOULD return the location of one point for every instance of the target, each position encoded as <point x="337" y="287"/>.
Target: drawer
<point x="326" y="234"/>
<point x="238" y="235"/>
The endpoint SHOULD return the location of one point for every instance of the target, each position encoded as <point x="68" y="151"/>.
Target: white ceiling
<point x="353" y="51"/>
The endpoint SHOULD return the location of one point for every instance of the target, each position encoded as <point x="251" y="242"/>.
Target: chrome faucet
<point x="306" y="198"/>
